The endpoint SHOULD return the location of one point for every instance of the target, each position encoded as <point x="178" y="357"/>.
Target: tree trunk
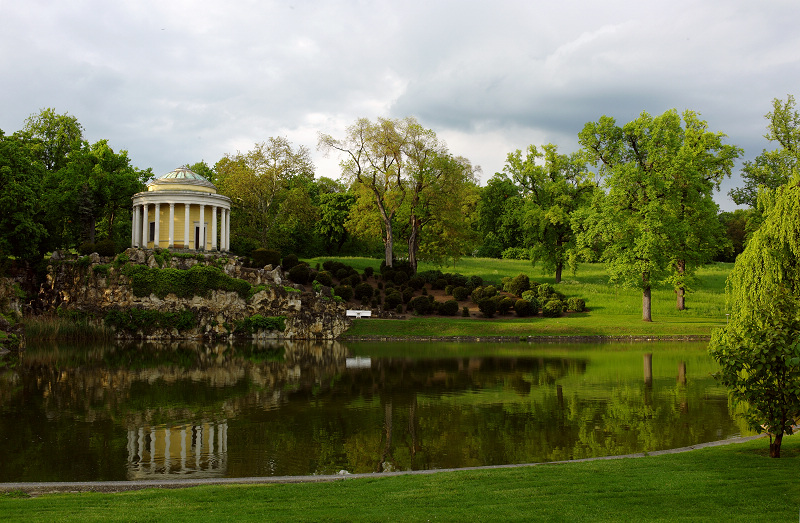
<point x="681" y="291"/>
<point x="388" y="243"/>
<point x="775" y="446"/>
<point x="559" y="269"/>
<point x="646" y="316"/>
<point x="413" y="243"/>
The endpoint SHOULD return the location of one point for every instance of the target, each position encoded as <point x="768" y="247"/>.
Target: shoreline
<point x="528" y="339"/>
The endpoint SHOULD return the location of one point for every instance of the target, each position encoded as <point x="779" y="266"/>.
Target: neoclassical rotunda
<point x="181" y="210"/>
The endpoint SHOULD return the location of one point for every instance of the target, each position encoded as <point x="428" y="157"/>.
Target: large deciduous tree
<point x="657" y="215"/>
<point x="773" y="168"/>
<point x="554" y="186"/>
<point x="759" y="349"/>
<point x="268" y="187"/>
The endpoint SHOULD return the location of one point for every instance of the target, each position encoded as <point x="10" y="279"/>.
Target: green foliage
<point x="504" y="304"/>
<point x="487" y="307"/>
<point x="324" y="278"/>
<point x="199" y="280"/>
<point x="576" y="304"/>
<point x="262" y="257"/>
<point x="420" y="305"/>
<point x="84" y="261"/>
<point x="553" y="309"/>
<point x="393" y="299"/>
<point x="517" y="285"/>
<point x="101" y="269"/>
<point x="300" y="273"/>
<point x="449" y="308"/>
<point x="345" y="292"/>
<point x="289" y="261"/>
<point x="257" y="323"/>
<point x="758" y="350"/>
<point x="363" y="291"/>
<point x="147" y="320"/>
<point x="516" y="253"/>
<point x="525" y="308"/>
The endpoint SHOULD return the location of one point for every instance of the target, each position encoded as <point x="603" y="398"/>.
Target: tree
<point x="58" y="135"/>
<point x="268" y="190"/>
<point x="399" y="163"/>
<point x="659" y="174"/>
<point x="552" y="190"/>
<point x="758" y="350"/>
<point x="771" y="169"/>
<point x="21" y="176"/>
<point x="500" y="216"/>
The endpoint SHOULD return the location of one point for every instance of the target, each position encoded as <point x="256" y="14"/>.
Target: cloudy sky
<point x="175" y="81"/>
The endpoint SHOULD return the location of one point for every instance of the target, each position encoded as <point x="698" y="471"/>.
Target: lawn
<point x="613" y="310"/>
<point x="736" y="482"/>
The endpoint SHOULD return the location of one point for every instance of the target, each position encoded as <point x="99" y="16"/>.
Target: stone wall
<point x="74" y="285"/>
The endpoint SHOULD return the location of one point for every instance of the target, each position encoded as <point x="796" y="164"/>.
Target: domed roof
<point x="182" y="176"/>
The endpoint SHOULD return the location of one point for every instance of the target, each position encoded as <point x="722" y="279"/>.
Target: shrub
<point x="465" y="312"/>
<point x="258" y="322"/>
<point x="105" y="248"/>
<point x="363" y="291"/>
<point x="474" y="282"/>
<point x="544" y="291"/>
<point x="324" y="277"/>
<point x="345" y="292"/>
<point x="416" y="282"/>
<point x="483" y="292"/>
<point x="553" y="309"/>
<point x="421" y="305"/>
<point x="400" y="277"/>
<point x="529" y="295"/>
<point x="576" y="304"/>
<point x="263" y="257"/>
<point x="517" y="285"/>
<point x="101" y="269"/>
<point x="448" y="308"/>
<point x="289" y="261"/>
<point x="448" y="290"/>
<point x="408" y="293"/>
<point x="516" y="253"/>
<point x="456" y="280"/>
<point x="487" y="307"/>
<point x="504" y="304"/>
<point x="199" y="280"/>
<point x="369" y="271"/>
<point x="525" y="308"/>
<point x="300" y="273"/>
<point x="439" y="284"/>
<point x="460" y="293"/>
<point x="342" y="273"/>
<point x="393" y="299"/>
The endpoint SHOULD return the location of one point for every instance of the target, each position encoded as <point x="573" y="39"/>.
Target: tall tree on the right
<point x="656" y="220"/>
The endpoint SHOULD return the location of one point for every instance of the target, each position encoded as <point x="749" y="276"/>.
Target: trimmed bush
<point x="545" y="291"/>
<point x="408" y="293"/>
<point x="517" y="285"/>
<point x="400" y="277"/>
<point x="576" y="304"/>
<point x="393" y="299"/>
<point x="324" y="277"/>
<point x="439" y="284"/>
<point x="487" y="307"/>
<point x="460" y="293"/>
<point x="300" y="273"/>
<point x="345" y="292"/>
<point x="474" y="282"/>
<point x="504" y="304"/>
<point x="262" y="257"/>
<point x="465" y="312"/>
<point x="416" y="283"/>
<point x="420" y="305"/>
<point x="105" y="248"/>
<point x="363" y="291"/>
<point x="448" y="308"/>
<point x="553" y="309"/>
<point x="529" y="295"/>
<point x="289" y="261"/>
<point x="368" y="272"/>
<point x="516" y="253"/>
<point x="524" y="308"/>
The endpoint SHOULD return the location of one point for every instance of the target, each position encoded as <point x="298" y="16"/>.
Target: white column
<point x="145" y="226"/>
<point x="227" y="229"/>
<point x="134" y="214"/>
<point x="171" y="225"/>
<point x="186" y="224"/>
<point x="202" y="245"/>
<point x="213" y="228"/>
<point x="158" y="225"/>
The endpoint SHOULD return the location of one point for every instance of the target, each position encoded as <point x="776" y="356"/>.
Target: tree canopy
<point x="759" y="349"/>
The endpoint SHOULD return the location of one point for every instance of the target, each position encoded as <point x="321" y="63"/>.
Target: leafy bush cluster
<point x="103" y="248"/>
<point x="257" y="322"/>
<point x="147" y="320"/>
<point x="198" y="280"/>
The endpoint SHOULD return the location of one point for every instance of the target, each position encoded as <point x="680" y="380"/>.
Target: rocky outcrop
<point x="92" y="286"/>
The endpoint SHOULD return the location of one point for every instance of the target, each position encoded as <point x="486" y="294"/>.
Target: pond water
<point x="147" y="411"/>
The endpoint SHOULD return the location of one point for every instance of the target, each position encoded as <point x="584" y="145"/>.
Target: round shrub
<point x="517" y="285"/>
<point x="363" y="291"/>
<point x="524" y="308"/>
<point x="456" y="280"/>
<point x="388" y="275"/>
<point x="465" y="312"/>
<point x="289" y="261"/>
<point x="399" y="309"/>
<point x="504" y="304"/>
<point x="439" y="284"/>
<point x="420" y="304"/>
<point x="345" y="292"/>
<point x="105" y="247"/>
<point x="324" y="277"/>
<point x="416" y="283"/>
<point x="342" y="273"/>
<point x="474" y="281"/>
<point x="448" y="290"/>
<point x="400" y="277"/>
<point x="300" y="273"/>
<point x="544" y="291"/>
<point x="368" y="272"/>
<point x="553" y="309"/>
<point x="487" y="307"/>
<point x="352" y="280"/>
<point x="263" y="257"/>
<point x="576" y="304"/>
<point x="529" y="295"/>
<point x="393" y="299"/>
<point x="328" y="265"/>
<point x="85" y="248"/>
<point x="460" y="293"/>
<point x="448" y="308"/>
<point x="408" y="293"/>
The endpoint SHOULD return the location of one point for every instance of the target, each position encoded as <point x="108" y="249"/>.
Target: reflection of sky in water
<point x="211" y="411"/>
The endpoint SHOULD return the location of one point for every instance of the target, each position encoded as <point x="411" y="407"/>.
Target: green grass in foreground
<point x="731" y="483"/>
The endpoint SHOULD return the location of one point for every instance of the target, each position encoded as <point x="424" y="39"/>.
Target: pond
<point x="148" y="411"/>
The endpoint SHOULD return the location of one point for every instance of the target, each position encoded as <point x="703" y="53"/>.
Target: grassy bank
<point x="612" y="310"/>
<point x="729" y="483"/>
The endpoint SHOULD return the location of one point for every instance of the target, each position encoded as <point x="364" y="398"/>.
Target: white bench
<point x="358" y="314"/>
